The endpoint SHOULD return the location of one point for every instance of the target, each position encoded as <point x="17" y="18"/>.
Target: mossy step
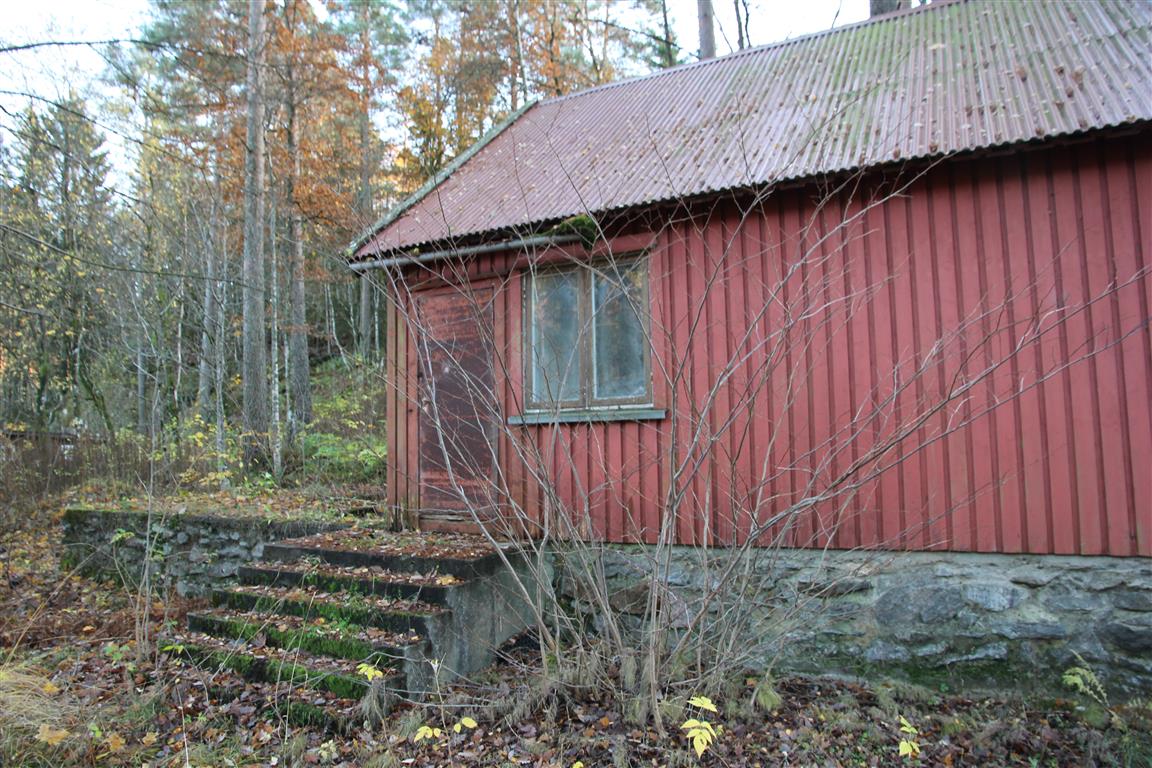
<point x="280" y="665"/>
<point x="365" y="580"/>
<point x="309" y="602"/>
<point x="457" y="555"/>
<point x="316" y="636"/>
<point x="310" y="708"/>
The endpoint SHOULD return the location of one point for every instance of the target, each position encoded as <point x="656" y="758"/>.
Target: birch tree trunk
<point x="204" y="372"/>
<point x="365" y="334"/>
<point x="254" y="362"/>
<point x="219" y="327"/>
<point x="277" y="434"/>
<point x="208" y="359"/>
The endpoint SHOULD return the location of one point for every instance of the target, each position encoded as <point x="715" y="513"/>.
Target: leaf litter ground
<point x="111" y="704"/>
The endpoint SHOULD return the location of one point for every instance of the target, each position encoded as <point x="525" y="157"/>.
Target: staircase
<point x="419" y="609"/>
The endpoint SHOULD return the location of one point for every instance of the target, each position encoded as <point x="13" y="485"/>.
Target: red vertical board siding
<point x="1097" y="268"/>
<point x="924" y="503"/>
<point x="1135" y="355"/>
<point x="759" y="417"/>
<point x="745" y="398"/>
<point x="944" y="317"/>
<point x="810" y="322"/>
<point x="1141" y="344"/>
<point x="849" y="533"/>
<point x="857" y="341"/>
<point x="1034" y="437"/>
<point x="1080" y="379"/>
<point x="793" y="403"/>
<point x="730" y="328"/>
<point x="822" y="388"/>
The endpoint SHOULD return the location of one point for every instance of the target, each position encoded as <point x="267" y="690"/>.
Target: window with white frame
<point x="586" y="332"/>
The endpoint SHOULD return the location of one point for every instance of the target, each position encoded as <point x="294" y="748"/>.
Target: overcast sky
<point x="49" y="72"/>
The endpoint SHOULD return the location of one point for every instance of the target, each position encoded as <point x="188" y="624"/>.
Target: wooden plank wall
<point x="851" y="312"/>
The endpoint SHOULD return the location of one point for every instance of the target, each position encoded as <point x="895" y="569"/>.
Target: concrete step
<point x="242" y="697"/>
<point x="454" y="554"/>
<point x="431" y="588"/>
<point x="394" y="614"/>
<point x="265" y="663"/>
<point x="320" y="605"/>
<point x="316" y="636"/>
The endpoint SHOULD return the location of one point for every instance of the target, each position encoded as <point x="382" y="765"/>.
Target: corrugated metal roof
<point x="941" y="79"/>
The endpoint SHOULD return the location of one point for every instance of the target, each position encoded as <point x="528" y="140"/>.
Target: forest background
<point x="174" y="307"/>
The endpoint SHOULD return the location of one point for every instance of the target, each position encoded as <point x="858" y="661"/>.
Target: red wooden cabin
<point x="886" y="285"/>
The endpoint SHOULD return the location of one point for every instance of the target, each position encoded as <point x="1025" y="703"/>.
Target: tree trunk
<point x="741" y="24"/>
<point x="517" y="75"/>
<point x="667" y="50"/>
<point x="219" y="329"/>
<point x="208" y="311"/>
<point x="364" y="205"/>
<point x="254" y="362"/>
<point x="704" y="18"/>
<point x="277" y="434"/>
<point x="881" y="7"/>
<point x="365" y="315"/>
<point x="208" y="359"/>
<point x="300" y="394"/>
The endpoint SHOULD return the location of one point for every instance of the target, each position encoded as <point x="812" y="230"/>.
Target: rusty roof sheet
<point x="941" y="79"/>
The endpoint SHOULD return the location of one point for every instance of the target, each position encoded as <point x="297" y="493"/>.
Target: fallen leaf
<point x="149" y="738"/>
<point x="51" y="736"/>
<point x="115" y="742"/>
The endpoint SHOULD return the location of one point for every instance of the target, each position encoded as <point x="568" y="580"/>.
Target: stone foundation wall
<point x="946" y="620"/>
<point x="190" y="554"/>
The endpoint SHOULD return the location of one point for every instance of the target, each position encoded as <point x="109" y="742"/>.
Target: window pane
<point x="619" y="347"/>
<point x="556" y="337"/>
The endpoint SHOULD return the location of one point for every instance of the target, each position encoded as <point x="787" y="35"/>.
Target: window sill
<point x="586" y="416"/>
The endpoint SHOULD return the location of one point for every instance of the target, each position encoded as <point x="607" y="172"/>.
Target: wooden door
<point x="458" y="404"/>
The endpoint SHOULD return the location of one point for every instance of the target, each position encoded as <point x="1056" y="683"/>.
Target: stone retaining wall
<point x="190" y="554"/>
<point x="946" y="620"/>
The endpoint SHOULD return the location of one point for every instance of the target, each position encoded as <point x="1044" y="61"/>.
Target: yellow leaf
<point x="909" y="748"/>
<point x="703" y="702"/>
<point x="447" y="580"/>
<point x="369" y="671"/>
<point x="467" y="722"/>
<point x="50" y="688"/>
<point x="149" y="738"/>
<point x="51" y="736"/>
<point x="578" y="764"/>
<point x="425" y="732"/>
<point x="456" y="727"/>
<point x="692" y="726"/>
<point x="700" y="744"/>
<point x="115" y="742"/>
